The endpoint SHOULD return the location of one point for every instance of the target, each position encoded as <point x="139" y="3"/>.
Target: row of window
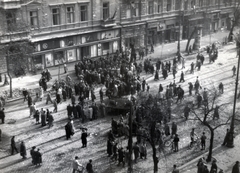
<point x="169" y="4"/>
<point x="56" y="15"/>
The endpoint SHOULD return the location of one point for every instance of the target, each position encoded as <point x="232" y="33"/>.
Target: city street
<point x="58" y="153"/>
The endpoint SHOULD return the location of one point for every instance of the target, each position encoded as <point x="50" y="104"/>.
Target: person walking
<point x="175" y="142"/>
<point x="143" y="150"/>
<point x="216" y="112"/>
<point x="2" y="115"/>
<point x="50" y="120"/>
<point x="203" y="141"/>
<point x="89" y="167"/>
<point x="13" y="145"/>
<point x="69" y="129"/>
<point x="43" y="118"/>
<point x="235" y="168"/>
<point x="186" y="112"/>
<point x="175" y="170"/>
<point x="214" y="167"/>
<point x="49" y="98"/>
<point x="182" y="77"/>
<point x="234" y="70"/>
<point x="174" y="128"/>
<point x="136" y="151"/>
<point x="226" y="138"/>
<point x="190" y="87"/>
<point x="77" y="166"/>
<point x="220" y="87"/>
<point x="84" y="138"/>
<point x="38" y="155"/>
<point x="55" y="105"/>
<point x="23" y="151"/>
<point x="33" y="155"/>
<point x="25" y="94"/>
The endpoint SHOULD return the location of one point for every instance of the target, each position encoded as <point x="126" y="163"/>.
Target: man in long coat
<point x="84" y="138"/>
<point x="69" y="130"/>
<point x="23" y="151"/>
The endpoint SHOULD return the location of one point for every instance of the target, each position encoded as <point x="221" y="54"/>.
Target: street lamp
<point x="181" y="13"/>
<point x="230" y="140"/>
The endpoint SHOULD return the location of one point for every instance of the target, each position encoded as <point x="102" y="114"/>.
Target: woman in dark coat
<point x="69" y="130"/>
<point x="29" y="100"/>
<point x="23" y="151"/>
<point x="43" y="118"/>
<point x="64" y="94"/>
<point x="109" y="148"/>
<point x="38" y="157"/>
<point x="33" y="155"/>
<point x="58" y="97"/>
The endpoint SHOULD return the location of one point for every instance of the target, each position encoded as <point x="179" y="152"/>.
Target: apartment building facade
<point x="67" y="31"/>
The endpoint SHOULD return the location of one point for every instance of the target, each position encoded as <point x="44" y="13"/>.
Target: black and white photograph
<point x="119" y="86"/>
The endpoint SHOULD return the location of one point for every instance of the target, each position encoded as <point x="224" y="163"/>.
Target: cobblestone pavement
<point x="58" y="152"/>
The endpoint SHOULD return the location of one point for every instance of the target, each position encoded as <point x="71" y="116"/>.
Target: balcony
<point x="10" y="4"/>
<point x="108" y="23"/>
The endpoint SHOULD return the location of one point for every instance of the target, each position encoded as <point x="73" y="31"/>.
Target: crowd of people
<point x="120" y="75"/>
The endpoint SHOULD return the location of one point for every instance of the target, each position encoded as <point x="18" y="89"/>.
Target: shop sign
<point x="161" y="26"/>
<point x="49" y="44"/>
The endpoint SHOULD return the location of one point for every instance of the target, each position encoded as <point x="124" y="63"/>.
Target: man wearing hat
<point x="77" y="167"/>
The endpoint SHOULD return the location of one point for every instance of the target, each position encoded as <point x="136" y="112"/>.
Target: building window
<point x="186" y="5"/>
<point x="70" y="14"/>
<point x="169" y="5"/>
<point x="55" y="16"/>
<point x="33" y="19"/>
<point x="83" y="10"/>
<point x="200" y="3"/>
<point x="193" y="4"/>
<point x="150" y="7"/>
<point x="105" y="10"/>
<point x="11" y="20"/>
<point x="178" y="5"/>
<point x="159" y="6"/>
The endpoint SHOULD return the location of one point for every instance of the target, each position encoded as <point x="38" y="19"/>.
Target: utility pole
<point x="130" y="140"/>
<point x="230" y="140"/>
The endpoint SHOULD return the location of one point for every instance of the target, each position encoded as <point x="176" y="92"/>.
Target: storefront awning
<point x="215" y="11"/>
<point x="196" y="18"/>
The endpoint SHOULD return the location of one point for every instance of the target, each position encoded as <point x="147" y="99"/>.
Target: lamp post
<point x="230" y="140"/>
<point x="179" y="31"/>
<point x="130" y="139"/>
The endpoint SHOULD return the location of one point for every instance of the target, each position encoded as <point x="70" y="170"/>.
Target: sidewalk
<point x="164" y="52"/>
<point x="226" y="158"/>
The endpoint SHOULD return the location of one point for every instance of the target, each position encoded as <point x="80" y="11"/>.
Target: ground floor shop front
<point x="66" y="50"/>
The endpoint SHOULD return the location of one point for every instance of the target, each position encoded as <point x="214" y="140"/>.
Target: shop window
<point x="49" y="59"/>
<point x="56" y="16"/>
<point x="150" y="7"/>
<point x="93" y="50"/>
<point x="37" y="62"/>
<point x="83" y="11"/>
<point x="70" y="14"/>
<point x="33" y="19"/>
<point x="115" y="46"/>
<point x="193" y="4"/>
<point x="105" y="10"/>
<point x="105" y="48"/>
<point x="71" y="55"/>
<point x="59" y="57"/>
<point x="85" y="52"/>
<point x="169" y="5"/>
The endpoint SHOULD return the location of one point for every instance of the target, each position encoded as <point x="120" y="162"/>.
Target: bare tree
<point x="205" y="114"/>
<point x="154" y="114"/>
